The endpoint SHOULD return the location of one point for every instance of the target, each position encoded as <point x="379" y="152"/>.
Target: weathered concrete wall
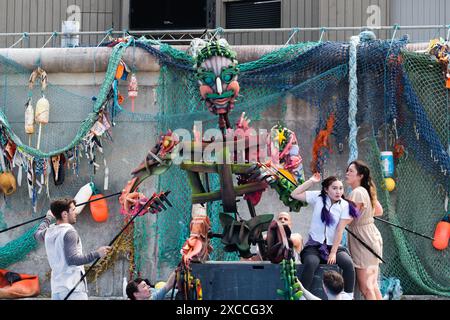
<point x="132" y="139"/>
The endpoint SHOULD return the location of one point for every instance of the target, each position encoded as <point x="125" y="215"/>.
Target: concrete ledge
<point x="81" y="60"/>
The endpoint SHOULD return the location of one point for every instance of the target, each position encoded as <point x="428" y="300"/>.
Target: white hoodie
<point x="64" y="277"/>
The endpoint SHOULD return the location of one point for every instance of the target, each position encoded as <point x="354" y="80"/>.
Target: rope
<point x="396" y="27"/>
<point x="218" y="31"/>
<point x="108" y="33"/>
<point x="24" y="36"/>
<point x="322" y="32"/>
<point x="353" y="99"/>
<point x="293" y="33"/>
<point x="54" y="34"/>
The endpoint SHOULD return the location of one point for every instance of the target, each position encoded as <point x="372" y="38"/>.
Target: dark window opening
<point x="170" y="14"/>
<point x="253" y="14"/>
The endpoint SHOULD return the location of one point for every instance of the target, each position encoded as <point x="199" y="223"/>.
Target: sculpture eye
<point x="227" y="78"/>
<point x="209" y="80"/>
<point x="228" y="73"/>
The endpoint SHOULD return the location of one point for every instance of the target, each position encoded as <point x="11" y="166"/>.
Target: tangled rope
<point x="353" y="100"/>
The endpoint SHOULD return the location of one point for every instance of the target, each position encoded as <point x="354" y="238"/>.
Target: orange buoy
<point x="441" y="235"/>
<point x="119" y="71"/>
<point x="18" y="285"/>
<point x="99" y="209"/>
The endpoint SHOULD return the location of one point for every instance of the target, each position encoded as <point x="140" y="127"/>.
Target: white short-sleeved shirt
<point x="339" y="210"/>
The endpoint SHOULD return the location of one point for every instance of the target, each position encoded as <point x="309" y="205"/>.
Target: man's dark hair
<point x="333" y="281"/>
<point x="132" y="287"/>
<point x="57" y="207"/>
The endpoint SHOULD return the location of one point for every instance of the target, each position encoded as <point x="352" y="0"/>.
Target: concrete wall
<point x="132" y="138"/>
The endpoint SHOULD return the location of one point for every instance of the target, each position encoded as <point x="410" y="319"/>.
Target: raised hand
<point x="315" y="177"/>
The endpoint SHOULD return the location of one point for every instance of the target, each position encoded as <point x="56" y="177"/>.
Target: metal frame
<point x="182" y="36"/>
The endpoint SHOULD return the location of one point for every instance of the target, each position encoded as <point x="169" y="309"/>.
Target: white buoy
<point x="42" y="116"/>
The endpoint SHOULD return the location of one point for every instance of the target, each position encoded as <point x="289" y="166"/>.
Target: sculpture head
<point x="217" y="74"/>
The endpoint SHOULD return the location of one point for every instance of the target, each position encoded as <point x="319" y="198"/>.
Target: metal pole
<point x="403" y="228"/>
<point x="365" y="245"/>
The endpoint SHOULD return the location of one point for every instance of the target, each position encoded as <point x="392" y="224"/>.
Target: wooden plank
<point x="357" y="17"/>
<point x="18" y="20"/>
<point x="364" y="15"/>
<point x="301" y="15"/>
<point x="84" y="5"/>
<point x="315" y="20"/>
<point x="93" y="22"/>
<point x="219" y="21"/>
<point x="258" y="38"/>
<point x="238" y="38"/>
<point x="230" y="38"/>
<point x="79" y="3"/>
<point x="250" y="38"/>
<point x="85" y="39"/>
<point x="48" y="18"/>
<point x="308" y="20"/>
<point x="85" y="9"/>
<point x="340" y="20"/>
<point x="108" y="6"/>
<point x="57" y="18"/>
<point x="348" y="18"/>
<point x="63" y="17"/>
<point x="323" y="18"/>
<point x="384" y="17"/>
<point x="444" y="9"/>
<point x="116" y="14"/>
<point x="285" y="13"/>
<point x="102" y="15"/>
<point x="101" y="6"/>
<point x="244" y="38"/>
<point x="10" y="22"/>
<point x="265" y="38"/>
<point x="293" y="19"/>
<point x="33" y="21"/>
<point x="430" y="15"/>
<point x="26" y="16"/>
<point x="3" y="22"/>
<point x="101" y="18"/>
<point x="279" y="37"/>
<point x="41" y="22"/>
<point x="332" y="18"/>
<point x="109" y="14"/>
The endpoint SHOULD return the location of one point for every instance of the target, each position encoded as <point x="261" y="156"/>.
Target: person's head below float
<point x="139" y="289"/>
<point x="64" y="210"/>
<point x="333" y="286"/>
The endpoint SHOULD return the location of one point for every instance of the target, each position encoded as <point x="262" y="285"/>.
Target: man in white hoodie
<point x="64" y="250"/>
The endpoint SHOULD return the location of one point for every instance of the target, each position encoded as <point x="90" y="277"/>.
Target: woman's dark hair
<point x="366" y="182"/>
<point x="326" y="216"/>
<point x="58" y="206"/>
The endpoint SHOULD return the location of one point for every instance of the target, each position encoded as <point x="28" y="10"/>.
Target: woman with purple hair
<point x="331" y="214"/>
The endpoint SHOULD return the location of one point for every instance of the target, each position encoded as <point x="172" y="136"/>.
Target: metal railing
<point x="185" y="36"/>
